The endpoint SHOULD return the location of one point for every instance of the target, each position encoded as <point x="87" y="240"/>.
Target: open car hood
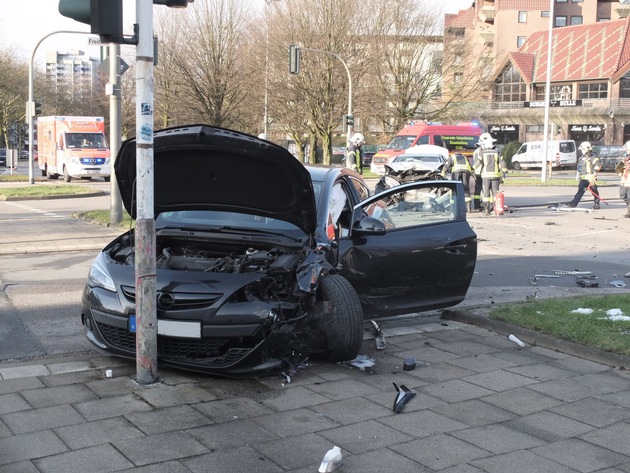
<point x="201" y="167"/>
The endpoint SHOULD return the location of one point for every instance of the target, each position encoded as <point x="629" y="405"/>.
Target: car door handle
<point x="456" y="247"/>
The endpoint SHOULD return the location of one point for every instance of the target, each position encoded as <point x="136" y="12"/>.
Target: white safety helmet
<point x="586" y="147"/>
<point x="486" y="141"/>
<point x="357" y="139"/>
<point x="627" y="147"/>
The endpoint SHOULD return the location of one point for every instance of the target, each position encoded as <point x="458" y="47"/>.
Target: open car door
<point x="410" y="249"/>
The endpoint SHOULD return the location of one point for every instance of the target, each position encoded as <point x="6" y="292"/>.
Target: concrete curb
<point x="538" y="339"/>
<point x="48" y="197"/>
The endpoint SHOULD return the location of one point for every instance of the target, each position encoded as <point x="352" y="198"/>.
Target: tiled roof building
<point x="590" y="67"/>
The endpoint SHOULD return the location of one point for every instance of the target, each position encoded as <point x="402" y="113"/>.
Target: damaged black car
<point x="262" y="262"/>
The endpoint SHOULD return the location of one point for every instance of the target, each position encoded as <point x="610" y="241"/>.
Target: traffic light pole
<point x="146" y="313"/>
<point x="349" y="126"/>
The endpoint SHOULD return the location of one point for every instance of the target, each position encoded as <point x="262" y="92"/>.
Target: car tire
<point x="50" y="176"/>
<point x="66" y="176"/>
<point x="343" y="327"/>
<point x="516" y="165"/>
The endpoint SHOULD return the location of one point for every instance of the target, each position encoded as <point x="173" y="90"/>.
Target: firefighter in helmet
<point x="353" y="157"/>
<point x="623" y="170"/>
<point x="459" y="167"/>
<point x="587" y="169"/>
<point x="489" y="164"/>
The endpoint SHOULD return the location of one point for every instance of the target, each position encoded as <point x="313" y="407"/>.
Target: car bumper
<point x="248" y="343"/>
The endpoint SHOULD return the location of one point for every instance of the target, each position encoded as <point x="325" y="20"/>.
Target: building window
<point x="603" y="20"/>
<point x="558" y="92"/>
<point x="577" y="1"/>
<point x="522" y="17"/>
<point x="545" y="14"/>
<point x="534" y="128"/>
<point x="593" y="91"/>
<point x="561" y="21"/>
<point x="561" y="1"/>
<point x="576" y="20"/>
<point x="520" y="40"/>
<point x="624" y="87"/>
<point x="509" y="86"/>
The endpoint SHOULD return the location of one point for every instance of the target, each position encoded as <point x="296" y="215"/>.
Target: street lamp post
<point x="30" y="108"/>
<point x="349" y="126"/>
<point x="547" y="93"/>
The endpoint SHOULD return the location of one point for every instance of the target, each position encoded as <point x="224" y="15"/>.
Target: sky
<point x="24" y="23"/>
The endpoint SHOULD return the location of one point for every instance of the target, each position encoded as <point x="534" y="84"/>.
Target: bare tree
<point x="169" y="106"/>
<point x="405" y="80"/>
<point x="316" y="99"/>
<point x="13" y="76"/>
<point x="213" y="84"/>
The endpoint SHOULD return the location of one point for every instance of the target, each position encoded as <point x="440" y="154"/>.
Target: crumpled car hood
<point x="201" y="167"/>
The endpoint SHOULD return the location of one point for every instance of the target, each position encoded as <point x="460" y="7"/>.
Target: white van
<point x="560" y="153"/>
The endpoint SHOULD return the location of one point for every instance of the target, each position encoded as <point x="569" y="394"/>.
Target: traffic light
<point x="38" y="108"/>
<point x="349" y="120"/>
<point x="294" y="59"/>
<point x="103" y="16"/>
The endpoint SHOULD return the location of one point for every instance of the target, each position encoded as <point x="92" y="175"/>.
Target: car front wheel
<point x="343" y="327"/>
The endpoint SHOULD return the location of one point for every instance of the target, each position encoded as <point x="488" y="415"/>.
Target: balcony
<point x="487" y="35"/>
<point x="623" y="11"/>
<point x="486" y="13"/>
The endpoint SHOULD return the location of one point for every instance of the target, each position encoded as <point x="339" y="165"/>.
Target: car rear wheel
<point x="343" y="327"/>
<point x="516" y="165"/>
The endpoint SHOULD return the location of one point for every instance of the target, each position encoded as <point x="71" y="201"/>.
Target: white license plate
<point x="175" y="328"/>
<point x="93" y="171"/>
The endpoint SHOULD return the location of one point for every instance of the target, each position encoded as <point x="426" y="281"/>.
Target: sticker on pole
<point x="146" y="133"/>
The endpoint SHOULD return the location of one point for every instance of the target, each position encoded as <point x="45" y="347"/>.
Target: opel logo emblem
<point x="165" y="301"/>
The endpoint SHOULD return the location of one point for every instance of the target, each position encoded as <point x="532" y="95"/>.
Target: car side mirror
<point x="369" y="226"/>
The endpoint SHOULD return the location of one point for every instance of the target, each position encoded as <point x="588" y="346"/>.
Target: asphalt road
<point x="519" y="253"/>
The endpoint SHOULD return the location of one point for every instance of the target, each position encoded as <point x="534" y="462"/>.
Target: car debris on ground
<point x="586" y="283"/>
<point x="331" y="460"/>
<point x="403" y="396"/>
<point x="361" y="361"/>
<point x="379" y="338"/>
<point x="515" y="339"/>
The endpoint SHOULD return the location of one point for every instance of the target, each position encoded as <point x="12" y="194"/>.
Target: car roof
<point x="427" y="149"/>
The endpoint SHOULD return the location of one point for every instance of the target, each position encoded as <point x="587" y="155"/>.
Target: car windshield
<point x="401" y="142"/>
<point x="213" y="219"/>
<point x="85" y="140"/>
<point x="418" y="159"/>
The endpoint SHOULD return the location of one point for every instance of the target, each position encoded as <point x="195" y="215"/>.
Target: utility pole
<point x="115" y="114"/>
<point x="543" y="177"/>
<point x="146" y="313"/>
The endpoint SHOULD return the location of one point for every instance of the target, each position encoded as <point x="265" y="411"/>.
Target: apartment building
<point x="74" y="73"/>
<point x="589" y="70"/>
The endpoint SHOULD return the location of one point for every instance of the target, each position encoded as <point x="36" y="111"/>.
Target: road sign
<point x="104" y="67"/>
